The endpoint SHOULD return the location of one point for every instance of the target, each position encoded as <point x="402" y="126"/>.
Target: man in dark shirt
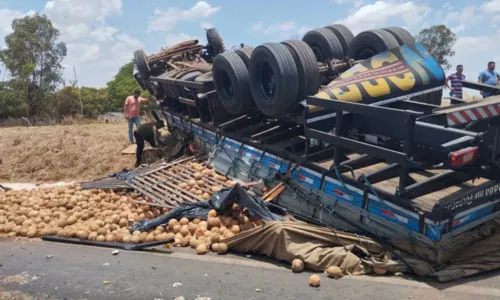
<point x="456" y="79"/>
<point x="148" y="132"/>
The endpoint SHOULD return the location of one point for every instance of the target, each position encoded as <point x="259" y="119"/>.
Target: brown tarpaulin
<point x="318" y="247"/>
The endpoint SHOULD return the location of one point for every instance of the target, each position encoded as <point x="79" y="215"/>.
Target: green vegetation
<point x="36" y="90"/>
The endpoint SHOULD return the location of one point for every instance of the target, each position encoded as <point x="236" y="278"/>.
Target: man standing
<point x="133" y="112"/>
<point x="489" y="77"/>
<point x="456" y="82"/>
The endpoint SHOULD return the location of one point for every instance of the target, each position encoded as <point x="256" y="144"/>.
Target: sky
<point x="101" y="35"/>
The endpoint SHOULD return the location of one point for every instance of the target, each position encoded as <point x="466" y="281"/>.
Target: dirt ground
<point x="57" y="153"/>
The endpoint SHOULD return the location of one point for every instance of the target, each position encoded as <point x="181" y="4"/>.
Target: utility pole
<point x="79" y="91"/>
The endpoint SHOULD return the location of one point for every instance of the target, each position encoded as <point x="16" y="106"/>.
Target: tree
<point x="439" y="41"/>
<point x="33" y="57"/>
<point x="122" y="86"/>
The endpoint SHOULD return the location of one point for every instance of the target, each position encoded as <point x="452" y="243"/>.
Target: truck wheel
<point x="190" y="76"/>
<point x="401" y="35"/>
<point x="232" y="83"/>
<point x="344" y="35"/>
<point x="324" y="44"/>
<point x="371" y="42"/>
<point x="141" y="61"/>
<point x="215" y="41"/>
<point x="245" y="53"/>
<point x="274" y="79"/>
<point x="307" y="68"/>
<point x="170" y="89"/>
<point x="207" y="77"/>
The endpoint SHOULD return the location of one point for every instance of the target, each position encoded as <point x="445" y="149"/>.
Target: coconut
<point x="199" y="232"/>
<point x="201" y="249"/>
<point x="222" y="248"/>
<point x="83" y="235"/>
<point x="204" y="224"/>
<point x="185" y="241"/>
<point x="334" y="272"/>
<point x="198" y="192"/>
<point x="216" y="230"/>
<point x="123" y="222"/>
<point x="172" y="223"/>
<point x="314" y="280"/>
<point x="135" y="239"/>
<point x="228" y="222"/>
<point x="192" y="228"/>
<point x="161" y="237"/>
<point x="31" y="233"/>
<point x="183" y="185"/>
<point x="379" y="270"/>
<point x="235" y="229"/>
<point x="110" y="238"/>
<point x="177" y="228"/>
<point x="205" y="196"/>
<point x="192" y="182"/>
<point x="197" y="176"/>
<point x="193" y="242"/>
<point x="196" y="221"/>
<point x="214" y="237"/>
<point x="185" y="230"/>
<point x="215" y="247"/>
<point x="150" y="237"/>
<point x="297" y="265"/>
<point x="101" y="238"/>
<point x="200" y="183"/>
<point x="184" y="221"/>
<point x="228" y="234"/>
<point x="92" y="236"/>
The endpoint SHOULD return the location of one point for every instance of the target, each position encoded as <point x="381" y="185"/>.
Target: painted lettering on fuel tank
<point x="376" y="90"/>
<point x="359" y="68"/>
<point x="406" y="83"/>
<point x="379" y="60"/>
<point x="417" y="62"/>
<point x="353" y="94"/>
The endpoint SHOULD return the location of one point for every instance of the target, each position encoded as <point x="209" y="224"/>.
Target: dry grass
<point x="53" y="153"/>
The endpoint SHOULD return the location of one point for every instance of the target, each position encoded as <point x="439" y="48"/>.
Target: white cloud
<point x="281" y="30"/>
<point x="173" y="39"/>
<point x="103" y="33"/>
<point x="491" y="6"/>
<point x="166" y="20"/>
<point x="96" y="49"/>
<point x="206" y="25"/>
<point x="380" y="13"/>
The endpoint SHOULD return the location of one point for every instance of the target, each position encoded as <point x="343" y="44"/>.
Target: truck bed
<point x="424" y="203"/>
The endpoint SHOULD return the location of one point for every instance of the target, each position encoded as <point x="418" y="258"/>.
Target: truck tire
<point x="141" y="61"/>
<point x="371" y="42"/>
<point x="215" y="41"/>
<point x="232" y="83"/>
<point x="324" y="44"/>
<point x="307" y="67"/>
<point x="245" y="53"/>
<point x="190" y="76"/>
<point x="170" y="89"/>
<point x="344" y="35"/>
<point x="401" y="35"/>
<point x="204" y="78"/>
<point x="274" y="79"/>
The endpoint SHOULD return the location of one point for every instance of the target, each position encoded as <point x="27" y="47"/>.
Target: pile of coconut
<point x="106" y="216"/>
<point x="198" y="186"/>
<point x="207" y="235"/>
<point x="72" y="212"/>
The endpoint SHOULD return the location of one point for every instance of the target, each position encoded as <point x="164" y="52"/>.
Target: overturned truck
<point x="351" y="126"/>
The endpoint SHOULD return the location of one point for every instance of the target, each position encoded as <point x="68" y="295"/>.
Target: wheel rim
<point x="267" y="81"/>
<point x="366" y="53"/>
<point x="317" y="53"/>
<point x="226" y="86"/>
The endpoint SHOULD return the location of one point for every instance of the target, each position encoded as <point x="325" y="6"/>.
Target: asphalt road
<point x="79" y="272"/>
